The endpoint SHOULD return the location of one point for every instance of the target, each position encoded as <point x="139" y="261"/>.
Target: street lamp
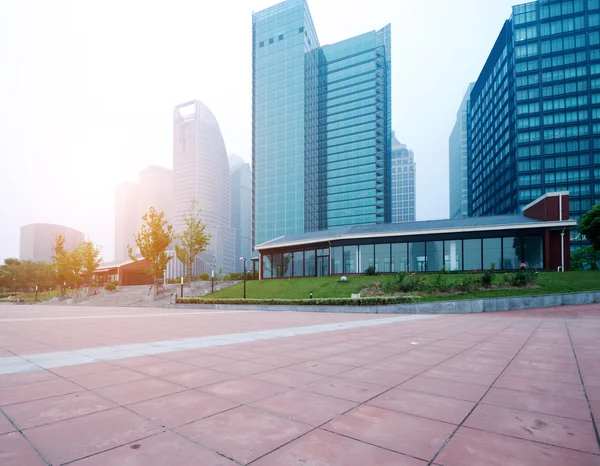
<point x="244" y="261"/>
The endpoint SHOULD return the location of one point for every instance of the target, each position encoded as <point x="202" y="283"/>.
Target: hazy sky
<point x="87" y="89"/>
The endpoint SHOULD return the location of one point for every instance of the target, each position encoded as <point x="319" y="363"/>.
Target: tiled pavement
<point x="517" y="388"/>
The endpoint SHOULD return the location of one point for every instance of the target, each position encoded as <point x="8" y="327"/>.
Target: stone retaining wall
<point x="467" y="306"/>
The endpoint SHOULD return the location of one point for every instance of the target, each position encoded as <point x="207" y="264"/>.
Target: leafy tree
<point x="589" y="225"/>
<point x="68" y="265"/>
<point x="193" y="240"/>
<point x="152" y="241"/>
<point x="585" y="258"/>
<point x="10" y="274"/>
<point x="90" y="259"/>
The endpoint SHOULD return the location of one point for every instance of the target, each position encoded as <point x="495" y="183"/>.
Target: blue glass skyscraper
<point x="321" y="126"/>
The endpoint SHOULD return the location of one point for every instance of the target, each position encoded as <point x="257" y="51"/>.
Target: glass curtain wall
<point x="435" y="256"/>
<point x="400" y="257"/>
<point x="453" y="255"/>
<point x="382" y="258"/>
<point x="492" y="253"/>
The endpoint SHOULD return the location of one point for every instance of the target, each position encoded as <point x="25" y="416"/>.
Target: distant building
<point x="241" y="209"/>
<point x="133" y="200"/>
<point x="457" y="161"/>
<point x="38" y="240"/>
<point x="201" y="173"/>
<point x="403" y="182"/>
<point x="321" y="125"/>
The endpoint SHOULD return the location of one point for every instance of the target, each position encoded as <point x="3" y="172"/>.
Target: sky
<point x="87" y="90"/>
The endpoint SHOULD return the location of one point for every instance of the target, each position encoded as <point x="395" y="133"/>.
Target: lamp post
<point x="244" y="261"/>
<point x="213" y="281"/>
<point x="182" y="286"/>
<point x="36" y="291"/>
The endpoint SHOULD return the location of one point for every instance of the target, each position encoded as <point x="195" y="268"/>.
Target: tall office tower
<point x="156" y="190"/>
<point x="127" y="218"/>
<point x="201" y="173"/>
<point x="404" y="171"/>
<point x="38" y="239"/>
<point x="241" y="209"/>
<point x="321" y="137"/>
<point x="535" y="110"/>
<point x="457" y="161"/>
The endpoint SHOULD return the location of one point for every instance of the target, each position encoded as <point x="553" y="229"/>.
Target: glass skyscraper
<point x="458" y="161"/>
<point x="321" y="126"/>
<point x="535" y="110"/>
<point x="403" y="182"/>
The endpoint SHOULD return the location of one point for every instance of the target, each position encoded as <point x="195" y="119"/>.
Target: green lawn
<point x="30" y="297"/>
<point x="331" y="287"/>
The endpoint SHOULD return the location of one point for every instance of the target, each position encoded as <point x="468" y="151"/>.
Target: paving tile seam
<point x="432" y="461"/>
<point x="33" y="362"/>
<point x="120" y="316"/>
<point x="584" y="389"/>
<point x="22" y="434"/>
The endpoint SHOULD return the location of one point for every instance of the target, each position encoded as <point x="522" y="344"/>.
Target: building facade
<point x="37" y="240"/>
<point x="156" y="190"/>
<point x="458" y="161"/>
<point x="241" y="209"/>
<point x="321" y="125"/>
<point x="404" y="172"/>
<point x="127" y="218"/>
<point x="535" y="110"/>
<point x="201" y="173"/>
<point x="537" y="237"/>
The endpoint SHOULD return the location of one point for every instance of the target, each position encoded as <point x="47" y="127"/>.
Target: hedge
<point x="375" y="301"/>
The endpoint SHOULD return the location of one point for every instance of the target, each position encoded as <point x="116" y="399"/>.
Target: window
<point x="262" y="43"/>
<point x="400" y="257"/>
<point x="472" y="254"/>
<point x="434" y="256"/>
<point x="453" y="255"/>
<point x="266" y="263"/>
<point x="511" y="253"/>
<point x="594" y="38"/>
<point x="533" y="252"/>
<point x="350" y="259"/>
<point x="301" y="30"/>
<point x="310" y="264"/>
<point x="382" y="258"/>
<point x="492" y="252"/>
<point x="280" y="36"/>
<point x="366" y="257"/>
<point x="416" y="252"/>
<point x="270" y="41"/>
<point x="336" y="261"/>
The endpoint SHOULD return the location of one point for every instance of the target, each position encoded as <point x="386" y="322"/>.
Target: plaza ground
<point x="127" y="386"/>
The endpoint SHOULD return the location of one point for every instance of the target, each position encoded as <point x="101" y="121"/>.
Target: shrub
<point x="115" y="282"/>
<point x="370" y="271"/>
<point x="487" y="279"/>
<point x="466" y="285"/>
<point x="110" y="287"/>
<point x="204" y="276"/>
<point x="524" y="277"/>
<point x="370" y="301"/>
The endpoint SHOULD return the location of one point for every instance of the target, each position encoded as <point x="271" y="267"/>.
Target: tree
<point x="193" y="239"/>
<point x="585" y="258"/>
<point x="90" y="259"/>
<point x="152" y="241"/>
<point x="68" y="265"/>
<point x="589" y="225"/>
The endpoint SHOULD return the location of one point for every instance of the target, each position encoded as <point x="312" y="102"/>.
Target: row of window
<point x="557" y="148"/>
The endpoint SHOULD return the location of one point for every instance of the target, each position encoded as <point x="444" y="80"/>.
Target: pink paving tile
<point x="36" y="391"/>
<point x="399" y="432"/>
<point x="137" y="361"/>
<point x="400" y="366"/>
<point x="182" y="407"/>
<point x="321" y="448"/>
<point x="243" y="390"/>
<point x="163" y="368"/>
<point x="244" y="434"/>
<point x="159" y="450"/>
<point x="307" y="407"/>
<point x="321" y="367"/>
<point x="465" y="366"/>
<point x="379" y="377"/>
<point x="424" y="405"/>
<point x="546" y="376"/>
<point x="346" y="389"/>
<point x="447" y="388"/>
<point x="69" y="440"/>
<point x="566" y="390"/>
<point x="473" y="447"/>
<point x="208" y="360"/>
<point x="236" y="353"/>
<point x="278" y="360"/>
<point x="56" y="408"/>
<point x="591" y="380"/>
<point x="105" y="379"/>
<point x="198" y="377"/>
<point x="593" y="392"/>
<point x="538" y="403"/>
<point x="347" y="360"/>
<point x="461" y="376"/>
<point x="243" y="368"/>
<point x="548" y="365"/>
<point x="596" y="410"/>
<point x="5" y="425"/>
<point x="83" y="369"/>
<point x="15" y="451"/>
<point x="26" y="378"/>
<point x="287" y="377"/>
<point x="139" y="390"/>
<point x="558" y="431"/>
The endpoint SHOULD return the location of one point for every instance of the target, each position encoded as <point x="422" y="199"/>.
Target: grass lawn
<point x="30" y="297"/>
<point x="331" y="287"/>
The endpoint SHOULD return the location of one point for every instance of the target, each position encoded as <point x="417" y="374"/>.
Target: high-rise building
<point x="38" y="240"/>
<point x="403" y="182"/>
<point x="127" y="218"/>
<point x="241" y="209"/>
<point x="457" y="161"/>
<point x="156" y="190"/>
<point x="321" y="125"/>
<point x="535" y="110"/>
<point x="201" y="173"/>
